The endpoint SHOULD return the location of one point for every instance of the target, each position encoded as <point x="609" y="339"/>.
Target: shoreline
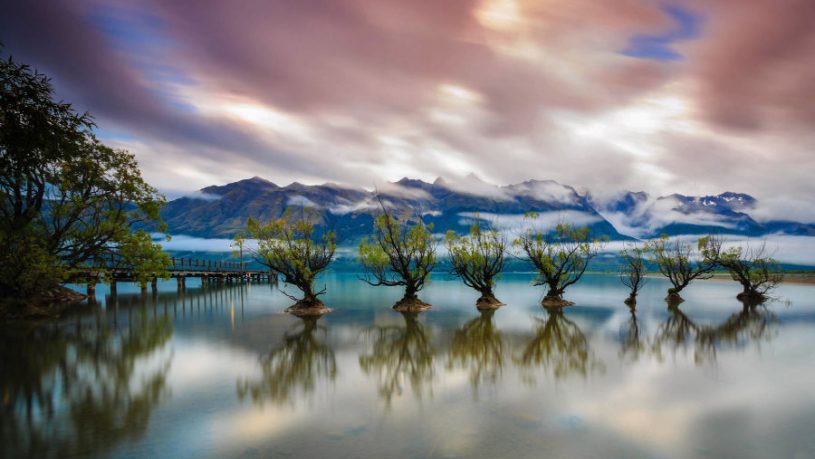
<point x="790" y="278"/>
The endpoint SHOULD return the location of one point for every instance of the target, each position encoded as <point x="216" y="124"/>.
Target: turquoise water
<point x="225" y="373"/>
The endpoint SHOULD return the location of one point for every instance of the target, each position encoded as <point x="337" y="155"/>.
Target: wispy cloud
<point x="202" y="196"/>
<point x="300" y="201"/>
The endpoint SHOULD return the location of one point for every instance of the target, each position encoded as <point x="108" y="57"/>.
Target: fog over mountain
<point x="454" y="204"/>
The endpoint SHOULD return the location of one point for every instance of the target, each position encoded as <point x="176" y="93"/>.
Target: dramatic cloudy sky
<point x="692" y="96"/>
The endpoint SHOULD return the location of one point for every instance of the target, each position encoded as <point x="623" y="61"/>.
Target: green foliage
<point x="66" y="199"/>
<point x="238" y="244"/>
<point x="634" y="269"/>
<point x="145" y="259"/>
<point x="477" y="258"/>
<point x="290" y="248"/>
<point x="398" y="254"/>
<point x="753" y="268"/>
<point x="560" y="257"/>
<point x="678" y="261"/>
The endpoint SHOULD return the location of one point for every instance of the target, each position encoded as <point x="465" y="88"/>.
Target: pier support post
<point x="91" y="288"/>
<point x="181" y="283"/>
<point x="113" y="289"/>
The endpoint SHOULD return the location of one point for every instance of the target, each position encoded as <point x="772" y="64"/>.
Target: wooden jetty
<point x="113" y="270"/>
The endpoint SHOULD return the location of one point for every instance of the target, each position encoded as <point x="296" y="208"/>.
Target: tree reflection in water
<point x="633" y="345"/>
<point x="297" y="365"/>
<point x="675" y="332"/>
<point x="479" y="347"/>
<point x="99" y="377"/>
<point x="399" y="355"/>
<point x="559" y="346"/>
<point x="751" y="323"/>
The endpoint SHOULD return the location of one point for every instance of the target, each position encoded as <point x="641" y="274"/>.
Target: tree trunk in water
<point x="309" y="306"/>
<point x="410" y="292"/>
<point x="487" y="300"/>
<point x="554" y="299"/>
<point x="673" y="297"/>
<point x="410" y="302"/>
<point x="751" y="297"/>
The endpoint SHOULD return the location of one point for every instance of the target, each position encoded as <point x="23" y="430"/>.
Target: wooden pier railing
<point x="116" y="269"/>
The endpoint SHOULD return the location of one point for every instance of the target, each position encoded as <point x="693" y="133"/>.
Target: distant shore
<point x="789" y="278"/>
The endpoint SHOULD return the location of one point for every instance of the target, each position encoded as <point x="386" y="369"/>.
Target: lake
<point x="223" y="372"/>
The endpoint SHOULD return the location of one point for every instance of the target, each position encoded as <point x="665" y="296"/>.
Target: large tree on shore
<point x="66" y="200"/>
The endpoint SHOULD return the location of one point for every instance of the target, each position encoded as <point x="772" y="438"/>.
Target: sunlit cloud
<point x="605" y="96"/>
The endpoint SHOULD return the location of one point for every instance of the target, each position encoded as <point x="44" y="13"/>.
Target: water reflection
<point x="295" y="366"/>
<point x="751" y="323"/>
<point x="675" y="332"/>
<point x="559" y="346"/>
<point x="98" y="384"/>
<point x="633" y="344"/>
<point x="400" y="355"/>
<point x="94" y="377"/>
<point x="478" y="347"/>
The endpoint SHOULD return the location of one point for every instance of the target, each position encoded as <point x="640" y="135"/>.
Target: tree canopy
<point x="561" y="257"/>
<point x="291" y="249"/>
<point x="680" y="263"/>
<point x="477" y="259"/>
<point x="399" y="254"/>
<point x="633" y="270"/>
<point x="754" y="268"/>
<point x="67" y="199"/>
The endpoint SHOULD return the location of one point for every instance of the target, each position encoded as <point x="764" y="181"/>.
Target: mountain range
<point x="221" y="211"/>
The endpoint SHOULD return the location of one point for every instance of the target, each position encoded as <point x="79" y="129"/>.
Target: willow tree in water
<point x="560" y="257"/>
<point x="477" y="259"/>
<point x="291" y="249"/>
<point x="754" y="269"/>
<point x="681" y="264"/>
<point x="633" y="271"/>
<point x="399" y="254"/>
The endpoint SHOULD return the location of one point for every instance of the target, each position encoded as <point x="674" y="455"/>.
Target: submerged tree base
<point x="751" y="298"/>
<point x="631" y="301"/>
<point x="45" y="305"/>
<point x="556" y="302"/>
<point x="308" y="308"/>
<point x="487" y="302"/>
<point x="411" y="304"/>
<point x="674" y="299"/>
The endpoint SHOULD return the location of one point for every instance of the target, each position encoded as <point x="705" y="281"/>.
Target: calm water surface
<point x="225" y="373"/>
